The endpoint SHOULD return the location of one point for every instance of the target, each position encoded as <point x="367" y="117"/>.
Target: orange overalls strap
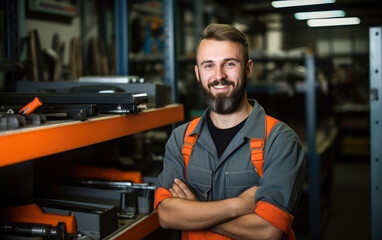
<point x="189" y="142"/>
<point x="257" y="145"/>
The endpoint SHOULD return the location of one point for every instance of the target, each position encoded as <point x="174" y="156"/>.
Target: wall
<point x="66" y="31"/>
<point x="47" y="28"/>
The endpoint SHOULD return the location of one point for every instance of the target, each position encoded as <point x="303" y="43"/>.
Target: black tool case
<point x="88" y="103"/>
<point x="94" y="220"/>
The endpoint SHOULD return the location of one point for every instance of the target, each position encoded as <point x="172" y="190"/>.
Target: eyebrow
<point x="225" y="60"/>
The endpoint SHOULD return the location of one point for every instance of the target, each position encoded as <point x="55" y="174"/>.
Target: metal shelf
<point x="139" y="229"/>
<point x="30" y="143"/>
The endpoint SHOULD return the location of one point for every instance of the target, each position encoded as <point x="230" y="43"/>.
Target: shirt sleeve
<point x="173" y="165"/>
<point x="284" y="176"/>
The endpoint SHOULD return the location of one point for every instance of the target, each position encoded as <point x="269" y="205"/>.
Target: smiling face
<point x="222" y="74"/>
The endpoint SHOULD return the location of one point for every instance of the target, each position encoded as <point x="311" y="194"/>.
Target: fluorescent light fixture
<point x="319" y="14"/>
<point x="297" y="3"/>
<point x="325" y="22"/>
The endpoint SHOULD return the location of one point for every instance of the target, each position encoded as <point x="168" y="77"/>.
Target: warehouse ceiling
<point x="368" y="11"/>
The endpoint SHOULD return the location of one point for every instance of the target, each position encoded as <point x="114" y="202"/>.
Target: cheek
<point x="236" y="76"/>
<point x="239" y="73"/>
<point x="204" y="77"/>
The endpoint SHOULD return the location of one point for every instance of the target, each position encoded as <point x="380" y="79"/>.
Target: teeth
<point x="220" y="86"/>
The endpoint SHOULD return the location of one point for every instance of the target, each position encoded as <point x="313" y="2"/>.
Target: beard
<point x="223" y="103"/>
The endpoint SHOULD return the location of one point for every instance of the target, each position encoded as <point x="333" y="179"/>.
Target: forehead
<point x="213" y="50"/>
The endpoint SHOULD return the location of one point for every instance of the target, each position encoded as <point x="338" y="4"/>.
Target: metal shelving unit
<point x="41" y="141"/>
<point x="375" y="34"/>
<point x="121" y="37"/>
<point x="52" y="138"/>
<point x="35" y="142"/>
<point x="11" y="40"/>
<point x="312" y="154"/>
<point x="170" y="54"/>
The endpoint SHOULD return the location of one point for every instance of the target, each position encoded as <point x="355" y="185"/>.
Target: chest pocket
<point x="200" y="181"/>
<point x="239" y="181"/>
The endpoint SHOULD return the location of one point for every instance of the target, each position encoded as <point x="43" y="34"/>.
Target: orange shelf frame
<point x="139" y="229"/>
<point x="26" y="144"/>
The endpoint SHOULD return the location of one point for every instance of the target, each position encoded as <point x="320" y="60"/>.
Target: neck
<point x="224" y="121"/>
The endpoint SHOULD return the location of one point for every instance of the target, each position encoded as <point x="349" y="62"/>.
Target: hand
<point x="180" y="190"/>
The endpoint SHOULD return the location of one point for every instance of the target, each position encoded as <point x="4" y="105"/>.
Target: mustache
<point x="221" y="81"/>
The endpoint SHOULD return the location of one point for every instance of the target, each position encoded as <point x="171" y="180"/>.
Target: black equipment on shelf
<point x="44" y="231"/>
<point x="78" y="104"/>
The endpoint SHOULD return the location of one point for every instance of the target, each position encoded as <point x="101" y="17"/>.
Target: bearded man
<point x="233" y="173"/>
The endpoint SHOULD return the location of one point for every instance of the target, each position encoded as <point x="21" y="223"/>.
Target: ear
<point x="196" y="69"/>
<point x="249" y="68"/>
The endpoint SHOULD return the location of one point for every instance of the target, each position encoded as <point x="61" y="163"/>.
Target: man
<point x="220" y="194"/>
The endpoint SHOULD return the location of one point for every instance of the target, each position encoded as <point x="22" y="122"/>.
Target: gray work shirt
<point x="211" y="178"/>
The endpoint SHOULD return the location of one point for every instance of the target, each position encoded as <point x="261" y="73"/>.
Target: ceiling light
<point x="319" y="14"/>
<point x="325" y="22"/>
<point x="296" y="3"/>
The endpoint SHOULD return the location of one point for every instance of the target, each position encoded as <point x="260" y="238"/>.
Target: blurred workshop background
<point x="317" y="67"/>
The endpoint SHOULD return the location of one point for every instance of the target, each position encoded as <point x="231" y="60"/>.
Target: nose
<point x="220" y="73"/>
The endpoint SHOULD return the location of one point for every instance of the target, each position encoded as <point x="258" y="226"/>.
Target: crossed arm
<point x="232" y="217"/>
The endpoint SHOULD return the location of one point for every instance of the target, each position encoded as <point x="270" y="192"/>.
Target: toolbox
<point x="94" y="220"/>
<point x="130" y="198"/>
<point x="158" y="94"/>
<point x="84" y="103"/>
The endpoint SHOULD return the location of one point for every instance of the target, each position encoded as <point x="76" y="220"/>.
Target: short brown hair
<point x="225" y="32"/>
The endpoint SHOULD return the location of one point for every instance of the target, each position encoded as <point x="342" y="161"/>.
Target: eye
<point x="208" y="66"/>
<point x="230" y="64"/>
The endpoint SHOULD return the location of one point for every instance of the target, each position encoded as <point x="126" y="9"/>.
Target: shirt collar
<point x="254" y="127"/>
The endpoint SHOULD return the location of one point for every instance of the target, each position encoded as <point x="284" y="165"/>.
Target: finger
<point x="174" y="194"/>
<point x="179" y="191"/>
<point x="186" y="190"/>
<point x="180" y="183"/>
